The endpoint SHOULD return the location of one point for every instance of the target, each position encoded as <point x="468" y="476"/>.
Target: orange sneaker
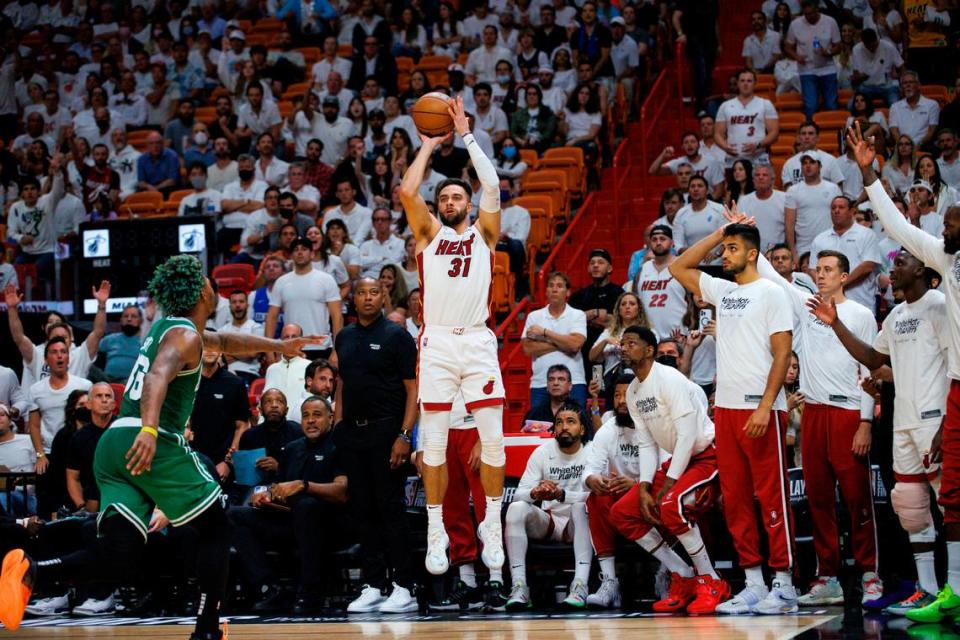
<point x="710" y="593"/>
<point x="682" y="592"/>
<point x="16" y="585"/>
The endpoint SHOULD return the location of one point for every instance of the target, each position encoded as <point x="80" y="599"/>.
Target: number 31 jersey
<point x="182" y="390"/>
<point x="455" y="276"/>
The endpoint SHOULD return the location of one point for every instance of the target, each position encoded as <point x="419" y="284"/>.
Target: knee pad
<point x="434" y="426"/>
<point x="911" y="502"/>
<point x="489" y="421"/>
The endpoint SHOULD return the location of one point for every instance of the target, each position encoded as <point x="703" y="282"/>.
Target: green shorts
<point x="177" y="483"/>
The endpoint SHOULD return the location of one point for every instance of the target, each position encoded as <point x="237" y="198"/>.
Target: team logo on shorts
<point x="488" y="388"/>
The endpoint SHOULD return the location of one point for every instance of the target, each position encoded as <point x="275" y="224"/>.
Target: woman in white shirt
<point x="336" y="242"/>
<point x="626" y="313"/>
<point x="248" y="76"/>
<point x="564" y="75"/>
<point x="357" y="115"/>
<point x="447" y="32"/>
<point x="325" y="261"/>
<point x="898" y="170"/>
<point x="581" y="117"/>
<point x="413" y="322"/>
<point x="843" y="59"/>
<point x="943" y="194"/>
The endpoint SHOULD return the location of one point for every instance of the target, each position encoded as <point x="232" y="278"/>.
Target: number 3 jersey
<point x="455" y="275"/>
<point x="181" y="391"/>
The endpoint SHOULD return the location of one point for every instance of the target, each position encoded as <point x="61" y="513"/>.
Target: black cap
<point x="602" y="253"/>
<point x="662" y="228"/>
<point x="301" y="241"/>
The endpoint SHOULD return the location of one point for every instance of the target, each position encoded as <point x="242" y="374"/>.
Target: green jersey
<point x="182" y="390"/>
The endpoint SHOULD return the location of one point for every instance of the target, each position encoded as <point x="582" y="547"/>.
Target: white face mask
<point x="200" y="137"/>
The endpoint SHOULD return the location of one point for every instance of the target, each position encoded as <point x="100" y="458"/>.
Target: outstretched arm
<point x="92" y="343"/>
<point x="24" y="346"/>
<point x="237" y="344"/>
<point x="826" y="312"/>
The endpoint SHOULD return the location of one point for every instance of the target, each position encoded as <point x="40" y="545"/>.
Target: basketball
<point x="430" y="115"/>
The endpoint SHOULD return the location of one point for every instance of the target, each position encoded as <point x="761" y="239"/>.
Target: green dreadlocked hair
<point x="176" y="284"/>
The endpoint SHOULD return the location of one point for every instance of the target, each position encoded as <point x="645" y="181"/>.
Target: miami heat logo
<point x="488" y="388"/>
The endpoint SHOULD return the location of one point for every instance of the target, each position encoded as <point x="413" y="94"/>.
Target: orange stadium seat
<point x="789" y="102"/>
<point x="790" y="121"/>
<point x="576" y="177"/>
<point x="405" y="64"/>
<point x="434" y="63"/>
<point x="267" y="25"/>
<point x="206" y="114"/>
<point x="345" y="51"/>
<point x="176" y="196"/>
<point x="310" y="55"/>
<point x="153" y="198"/>
<point x="832" y="119"/>
<point x="530" y="158"/>
<point x="936" y="92"/>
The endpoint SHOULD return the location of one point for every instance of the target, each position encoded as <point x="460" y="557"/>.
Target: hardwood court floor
<point x="532" y="627"/>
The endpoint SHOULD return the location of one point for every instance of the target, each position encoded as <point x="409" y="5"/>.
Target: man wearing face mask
<point x="553" y="477"/>
<point x="178" y="131"/>
<point x="119" y="349"/>
<point x="200" y="149"/>
<point x="203" y="201"/>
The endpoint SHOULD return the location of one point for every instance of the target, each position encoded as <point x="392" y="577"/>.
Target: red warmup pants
<point x="612" y="514"/>
<point x="826" y="438"/>
<point x="755" y="467"/>
<point x="463" y="482"/>
<point x="950" y="469"/>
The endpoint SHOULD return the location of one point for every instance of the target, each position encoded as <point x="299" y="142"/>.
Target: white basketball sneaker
<point x="491" y="535"/>
<point x="436" y="559"/>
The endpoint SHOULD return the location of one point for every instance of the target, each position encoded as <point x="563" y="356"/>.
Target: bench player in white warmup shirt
<point x="554" y="475"/>
<point x="458" y="353"/>
<point x="913" y="341"/>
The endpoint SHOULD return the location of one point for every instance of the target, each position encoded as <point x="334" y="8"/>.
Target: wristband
<point x="151" y="430"/>
<point x="405" y="437"/>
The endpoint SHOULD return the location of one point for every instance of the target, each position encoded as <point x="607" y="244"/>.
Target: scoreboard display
<point x="126" y="253"/>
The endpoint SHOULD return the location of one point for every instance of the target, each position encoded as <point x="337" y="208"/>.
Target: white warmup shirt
<point x="615" y="449"/>
<point x="548" y="462"/>
<point x="860" y="245"/>
<point x="915" y="337"/>
<point x="747" y="315"/>
<point x="829" y="375"/>
<point x="667" y="413"/>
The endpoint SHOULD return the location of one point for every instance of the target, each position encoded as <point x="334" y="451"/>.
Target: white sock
<point x="926" y="571"/>
<point x="496" y="575"/>
<point x="608" y="567"/>
<point x="755" y="576"/>
<point x="468" y="575"/>
<point x="785" y="578"/>
<point x="434" y="516"/>
<point x="953" y="565"/>
<point x="493" y="509"/>
<point x="653" y="543"/>
<point x="697" y="551"/>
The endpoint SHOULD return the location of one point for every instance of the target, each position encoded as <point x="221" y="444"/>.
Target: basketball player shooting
<point x="143" y="460"/>
<point x="458" y="353"/>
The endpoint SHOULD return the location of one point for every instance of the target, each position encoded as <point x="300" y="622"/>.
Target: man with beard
<point x="596" y="300"/>
<point x="247" y="368"/>
<point x="671" y="418"/>
<point x="225" y="125"/>
<point x="457" y="350"/>
<point x="120" y="349"/>
<point x="333" y="131"/>
<point x="663" y="298"/>
<point x="553" y="477"/>
<point x="179" y="129"/>
<point x="99" y="178"/>
<point x="940" y="254"/>
<point x="914" y="342"/>
<point x="316" y="172"/>
<point x="753" y="335"/>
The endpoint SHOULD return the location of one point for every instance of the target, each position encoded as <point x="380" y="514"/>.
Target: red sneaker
<point x="16" y="581"/>
<point x="710" y="593"/>
<point x="682" y="592"/>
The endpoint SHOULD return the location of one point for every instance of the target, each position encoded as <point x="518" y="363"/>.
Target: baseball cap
<point x="920" y="183"/>
<point x="812" y="156"/>
<point x="601" y="253"/>
<point x="618" y="20"/>
<point x="662" y="229"/>
<point x="238" y="35"/>
<point x="330" y="100"/>
<point x="301" y="242"/>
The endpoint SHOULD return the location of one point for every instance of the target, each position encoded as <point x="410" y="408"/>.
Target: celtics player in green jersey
<point x="143" y="461"/>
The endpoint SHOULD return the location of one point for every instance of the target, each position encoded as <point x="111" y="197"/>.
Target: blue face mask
<point x="504" y="195"/>
<point x="509" y="152"/>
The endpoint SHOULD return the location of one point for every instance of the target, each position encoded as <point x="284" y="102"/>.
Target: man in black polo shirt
<point x="81" y="485"/>
<point x="221" y="413"/>
<point x="273" y="434"/>
<point x="302" y="507"/>
<point x="596" y="300"/>
<point x="376" y="409"/>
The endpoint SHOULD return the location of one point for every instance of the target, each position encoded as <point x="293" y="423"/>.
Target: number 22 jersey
<point x="455" y="277"/>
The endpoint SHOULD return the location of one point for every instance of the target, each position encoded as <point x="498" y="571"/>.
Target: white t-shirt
<point x="374" y="255"/>
<point x="304" y="299"/>
<point x="664" y="299"/>
<point x="611" y="354"/>
<point x="275" y="173"/>
<point x="703" y="368"/>
<point x="665" y="409"/>
<point x="624" y="55"/>
<point x="950" y="171"/>
<point x="813" y="42"/>
<point x="51" y="403"/>
<point x="829" y="375"/>
<point x="768" y="212"/>
<point x="18" y="454"/>
<point x="236" y="191"/>
<point x="357" y="221"/>
<point x="879" y="65"/>
<point x="570" y="321"/>
<point x="915" y="336"/>
<point x="249" y="364"/>
<point x="206" y="202"/>
<point x="747" y="315"/>
<point x="706" y="166"/>
<point x="515" y="222"/>
<point x="548" y="462"/>
<point x="259" y="122"/>
<point x="761" y="52"/>
<point x="792" y="174"/>
<point x="38" y="369"/>
<point x="690" y="227"/>
<point x="860" y="245"/>
<point x="746" y="123"/>
<point x="256" y="224"/>
<point x="493" y="121"/>
<point x="581" y="122"/>
<point x="335" y="268"/>
<point x="323" y="68"/>
<point x="914" y="121"/>
<point x="852" y="176"/>
<point x="812" y="204"/>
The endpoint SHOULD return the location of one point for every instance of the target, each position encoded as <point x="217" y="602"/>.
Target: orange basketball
<point x="430" y="115"/>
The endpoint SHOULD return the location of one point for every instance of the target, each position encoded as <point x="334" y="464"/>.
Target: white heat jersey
<point x="664" y="299"/>
<point x="746" y="123"/>
<point x="455" y="276"/>
<point x="916" y="338"/>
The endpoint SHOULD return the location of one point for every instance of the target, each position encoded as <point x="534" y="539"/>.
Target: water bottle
<point x="816" y="45"/>
<point x="211" y="209"/>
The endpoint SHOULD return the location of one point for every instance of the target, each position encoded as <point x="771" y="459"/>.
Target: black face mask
<point x="129" y="330"/>
<point x="83" y="414"/>
<point x="286" y="213"/>
<point x="668" y="361"/>
<point x="246" y="175"/>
